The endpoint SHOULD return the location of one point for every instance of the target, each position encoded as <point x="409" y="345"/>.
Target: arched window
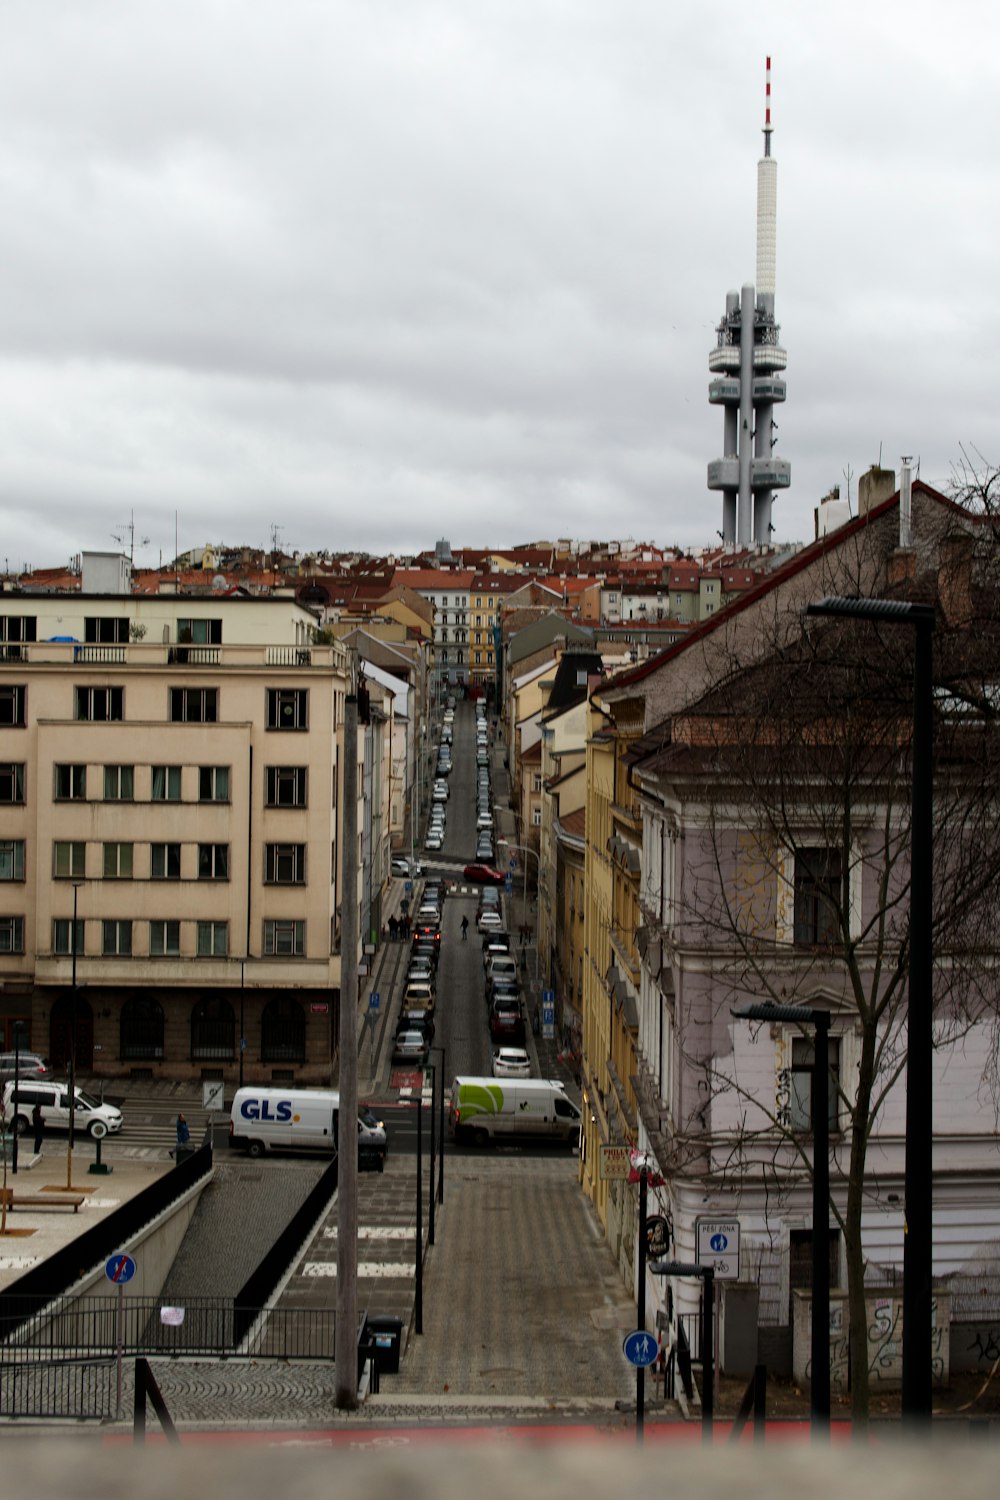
<point x="141" y="1030"/>
<point x="283" y="1032"/>
<point x="213" y="1031"/>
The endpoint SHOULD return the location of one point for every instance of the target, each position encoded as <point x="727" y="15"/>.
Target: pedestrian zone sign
<point x="641" y="1348"/>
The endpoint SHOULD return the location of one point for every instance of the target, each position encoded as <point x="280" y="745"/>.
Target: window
<point x="12" y="782"/>
<point x="200" y="632"/>
<point x="164" y="939"/>
<point x="284" y="939"/>
<point x="18" y="628"/>
<point x="141" y="1030"/>
<point x="69" y="861"/>
<point x="194" y="705"/>
<point x="71" y="783"/>
<point x="213" y="939"/>
<point x="12" y="859"/>
<point x="284" y="864"/>
<point x="213" y="861"/>
<point x="536" y="817"/>
<point x="817" y="896"/>
<point x="166" y="784"/>
<point x="106" y="632"/>
<point x="116" y="939"/>
<point x="286" y="786"/>
<point x="11" y="934"/>
<point x="62" y="936"/>
<point x="213" y="783"/>
<point x="12" y="701"/>
<point x="165" y="862"/>
<point x="100" y="705"/>
<point x="283" y="1031"/>
<point x="118" y="861"/>
<point x="288" y="708"/>
<point x="118" y="783"/>
<point x="536" y="782"/>
<point x="213" y="1031"/>
<point x="802" y="1116"/>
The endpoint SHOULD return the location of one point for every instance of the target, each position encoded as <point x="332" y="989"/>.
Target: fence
<point x="59" y="1361"/>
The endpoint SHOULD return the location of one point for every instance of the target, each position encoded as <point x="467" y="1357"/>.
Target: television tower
<point x="746" y="359"/>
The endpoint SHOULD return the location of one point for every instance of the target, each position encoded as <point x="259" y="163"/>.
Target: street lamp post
<point x="819" y="1385"/>
<point x="72" y="1044"/>
<point x="440" y="1186"/>
<point x="18" y="1037"/>
<point x="918" y="1253"/>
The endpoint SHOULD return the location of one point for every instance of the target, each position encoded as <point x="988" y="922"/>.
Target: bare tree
<point x="801" y="889"/>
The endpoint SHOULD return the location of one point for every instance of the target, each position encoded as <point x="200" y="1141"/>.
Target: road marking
<point x="371" y="1270"/>
<point x="377" y="1232"/>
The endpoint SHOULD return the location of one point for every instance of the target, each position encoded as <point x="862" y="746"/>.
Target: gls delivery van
<point x="270" y="1119"/>
<point x="484" y="1108"/>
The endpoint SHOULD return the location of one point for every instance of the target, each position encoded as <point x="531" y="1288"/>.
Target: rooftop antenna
<point x="128" y="530"/>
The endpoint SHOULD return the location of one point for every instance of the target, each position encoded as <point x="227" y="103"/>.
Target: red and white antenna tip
<point x="767" y="104"/>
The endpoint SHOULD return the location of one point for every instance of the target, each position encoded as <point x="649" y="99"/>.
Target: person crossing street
<point x="465" y="929"/>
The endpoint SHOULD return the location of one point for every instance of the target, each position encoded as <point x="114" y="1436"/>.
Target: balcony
<point x="194" y="656"/>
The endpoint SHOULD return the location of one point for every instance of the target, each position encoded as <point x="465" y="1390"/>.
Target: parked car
<point x="28" y="1065"/>
<point x="410" y="1047"/>
<point x="507" y="1021"/>
<point x="484" y="874"/>
<point x="489" y="920"/>
<point x="434" y="839"/>
<point x="92" y="1116"/>
<point x="511" y="1062"/>
<point x="419" y="993"/>
<point x="416" y="1018"/>
<point x="402" y="865"/>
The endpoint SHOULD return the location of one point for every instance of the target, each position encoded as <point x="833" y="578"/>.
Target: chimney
<point x="905" y="503"/>
<point x="874" y="487"/>
<point x="955" y="578"/>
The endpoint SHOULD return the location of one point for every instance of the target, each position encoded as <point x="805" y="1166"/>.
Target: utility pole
<point x="346" y="1334"/>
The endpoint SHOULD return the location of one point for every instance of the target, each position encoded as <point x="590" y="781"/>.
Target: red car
<point x="484" y="875"/>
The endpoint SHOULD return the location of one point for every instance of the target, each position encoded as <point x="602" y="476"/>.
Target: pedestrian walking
<point x="39" y="1128"/>
<point x="393" y="929"/>
<point x="183" y="1137"/>
<point x="465" y="929"/>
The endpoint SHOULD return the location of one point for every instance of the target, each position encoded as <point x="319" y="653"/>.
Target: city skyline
<point x="375" y="279"/>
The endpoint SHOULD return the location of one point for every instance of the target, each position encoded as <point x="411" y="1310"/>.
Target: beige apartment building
<point x="180" y="796"/>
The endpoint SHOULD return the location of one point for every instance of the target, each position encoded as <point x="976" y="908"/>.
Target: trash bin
<point x="387" y="1335"/>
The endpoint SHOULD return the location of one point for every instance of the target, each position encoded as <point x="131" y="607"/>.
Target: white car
<point x="434" y="839"/>
<point x="511" y="1062"/>
<point x="490" y="920"/>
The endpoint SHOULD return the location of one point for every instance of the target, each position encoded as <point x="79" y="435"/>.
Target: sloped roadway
<point x="522" y="1305"/>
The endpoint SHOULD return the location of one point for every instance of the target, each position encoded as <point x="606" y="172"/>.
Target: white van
<point x="271" y="1119"/>
<point x="92" y="1117"/>
<point x="485" y="1108"/>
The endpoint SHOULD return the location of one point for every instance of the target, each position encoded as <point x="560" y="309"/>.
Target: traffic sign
<point x="119" y="1269"/>
<point x="718" y="1242"/>
<point x="374" y="1000"/>
<point x="641" y="1348"/>
<point x="407" y="886"/>
<point x="548" y="1014"/>
<point x="509" y="886"/>
<point x="513" y="864"/>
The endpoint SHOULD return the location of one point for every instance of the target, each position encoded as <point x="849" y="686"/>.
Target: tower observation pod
<point x="745" y="364"/>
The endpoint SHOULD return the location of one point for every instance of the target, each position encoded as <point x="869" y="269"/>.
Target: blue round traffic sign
<point x="641" y="1348"/>
<point x="119" y="1269"/>
<point x="719" y="1242"/>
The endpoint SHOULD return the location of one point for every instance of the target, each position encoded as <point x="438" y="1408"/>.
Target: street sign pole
<point x="640" y="1372"/>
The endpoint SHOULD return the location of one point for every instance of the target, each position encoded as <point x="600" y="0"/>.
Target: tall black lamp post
<point x="19" y="1028"/>
<point x="918" y="1258"/>
<point x="440" y="1184"/>
<point x="819" y="1385"/>
<point x="72" y="1043"/>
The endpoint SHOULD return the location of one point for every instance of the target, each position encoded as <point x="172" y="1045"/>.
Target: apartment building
<point x="179" y="797"/>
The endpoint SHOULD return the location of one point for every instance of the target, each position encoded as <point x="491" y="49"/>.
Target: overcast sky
<point x="376" y="272"/>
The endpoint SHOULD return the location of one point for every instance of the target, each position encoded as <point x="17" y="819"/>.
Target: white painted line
<point x="378" y="1232"/>
<point x="373" y="1270"/>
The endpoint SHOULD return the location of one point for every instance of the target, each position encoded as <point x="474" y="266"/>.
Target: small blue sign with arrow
<point x="641" y="1348"/>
